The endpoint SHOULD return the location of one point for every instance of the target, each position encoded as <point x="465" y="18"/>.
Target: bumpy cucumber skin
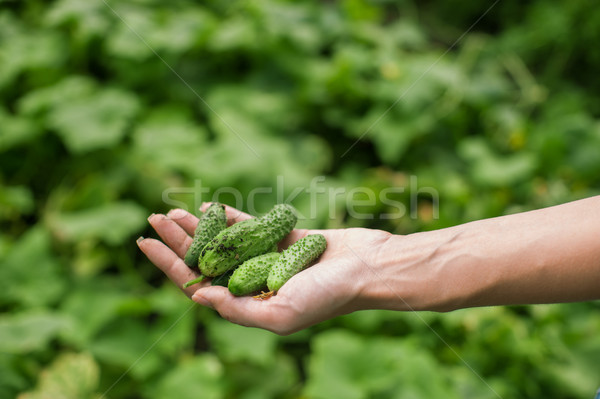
<point x="252" y="275"/>
<point x="295" y="258"/>
<point x="219" y="255"/>
<point x="245" y="240"/>
<point x="210" y="224"/>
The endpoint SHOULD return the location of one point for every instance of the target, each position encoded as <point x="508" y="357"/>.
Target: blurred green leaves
<point x="489" y="169"/>
<point x="85" y="116"/>
<point x="31" y="275"/>
<point x="171" y="132"/>
<point x="15" y="200"/>
<point x="71" y="376"/>
<point x="257" y="347"/>
<point x="112" y="223"/>
<point x="146" y="32"/>
<point x="346" y="365"/>
<point x="201" y="376"/>
<point x="16" y="130"/>
<point x="36" y="51"/>
<point x="105" y="109"/>
<point x="28" y="332"/>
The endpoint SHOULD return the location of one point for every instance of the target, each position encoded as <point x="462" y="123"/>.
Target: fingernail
<point x="151" y="216"/>
<point x="139" y="240"/>
<point x="176" y="213"/>
<point x="202" y="301"/>
<point x="204" y="206"/>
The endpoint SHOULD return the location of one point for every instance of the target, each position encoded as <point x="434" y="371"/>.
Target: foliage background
<point x="107" y="104"/>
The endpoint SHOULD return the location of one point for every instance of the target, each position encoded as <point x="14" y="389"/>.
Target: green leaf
<point x="15" y="200"/>
<point x="266" y="111"/>
<point x="96" y="122"/>
<point x="84" y="116"/>
<point x="345" y="365"/>
<point x="392" y="131"/>
<point x="30" y="274"/>
<point x="361" y="10"/>
<point x="90" y="18"/>
<point x="41" y="100"/>
<point x="277" y="379"/>
<point x="12" y="381"/>
<point x="170" y="139"/>
<point x="198" y="377"/>
<point x="489" y="169"/>
<point x="70" y="376"/>
<point x="234" y="33"/>
<point x="123" y="342"/>
<point x="27" y="332"/>
<point x="578" y="369"/>
<point x="143" y="32"/>
<point x="112" y="323"/>
<point x="30" y="49"/>
<point x="112" y="223"/>
<point x="92" y="304"/>
<point x="16" y="130"/>
<point x="238" y="343"/>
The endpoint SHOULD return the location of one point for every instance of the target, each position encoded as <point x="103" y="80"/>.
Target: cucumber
<point x="210" y="224"/>
<point x="252" y="275"/>
<point x="236" y="228"/>
<point x="245" y="240"/>
<point x="295" y="258"/>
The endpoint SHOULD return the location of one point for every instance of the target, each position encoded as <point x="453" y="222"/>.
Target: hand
<point x="333" y="286"/>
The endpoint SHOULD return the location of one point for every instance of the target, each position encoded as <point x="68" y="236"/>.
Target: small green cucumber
<point x="210" y="224"/>
<point x="245" y="240"/>
<point x="223" y="279"/>
<point x="295" y="258"/>
<point x="252" y="275"/>
<point x="219" y="256"/>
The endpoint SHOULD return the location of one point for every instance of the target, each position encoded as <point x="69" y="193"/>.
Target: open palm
<point x="329" y="288"/>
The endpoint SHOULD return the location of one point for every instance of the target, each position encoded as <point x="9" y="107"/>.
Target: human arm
<point x="548" y="255"/>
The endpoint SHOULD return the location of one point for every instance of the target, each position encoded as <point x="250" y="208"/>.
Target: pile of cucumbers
<point x="244" y="257"/>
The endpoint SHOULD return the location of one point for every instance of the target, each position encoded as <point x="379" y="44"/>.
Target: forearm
<point x="543" y="256"/>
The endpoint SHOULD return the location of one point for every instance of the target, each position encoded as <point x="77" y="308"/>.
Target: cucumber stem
<point x="194" y="281"/>
<point x="264" y="295"/>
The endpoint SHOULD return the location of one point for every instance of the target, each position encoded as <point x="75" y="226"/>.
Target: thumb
<point x="208" y="296"/>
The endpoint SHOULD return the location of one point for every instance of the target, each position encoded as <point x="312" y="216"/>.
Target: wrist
<point x="414" y="272"/>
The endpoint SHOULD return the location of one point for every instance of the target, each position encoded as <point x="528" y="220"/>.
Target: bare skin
<point x="549" y="255"/>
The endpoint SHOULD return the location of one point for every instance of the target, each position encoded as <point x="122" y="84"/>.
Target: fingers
<point x="272" y="314"/>
<point x="233" y="215"/>
<point x="229" y="306"/>
<point x="168" y="261"/>
<point x="306" y="299"/>
<point x="171" y="233"/>
<point x="184" y="219"/>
